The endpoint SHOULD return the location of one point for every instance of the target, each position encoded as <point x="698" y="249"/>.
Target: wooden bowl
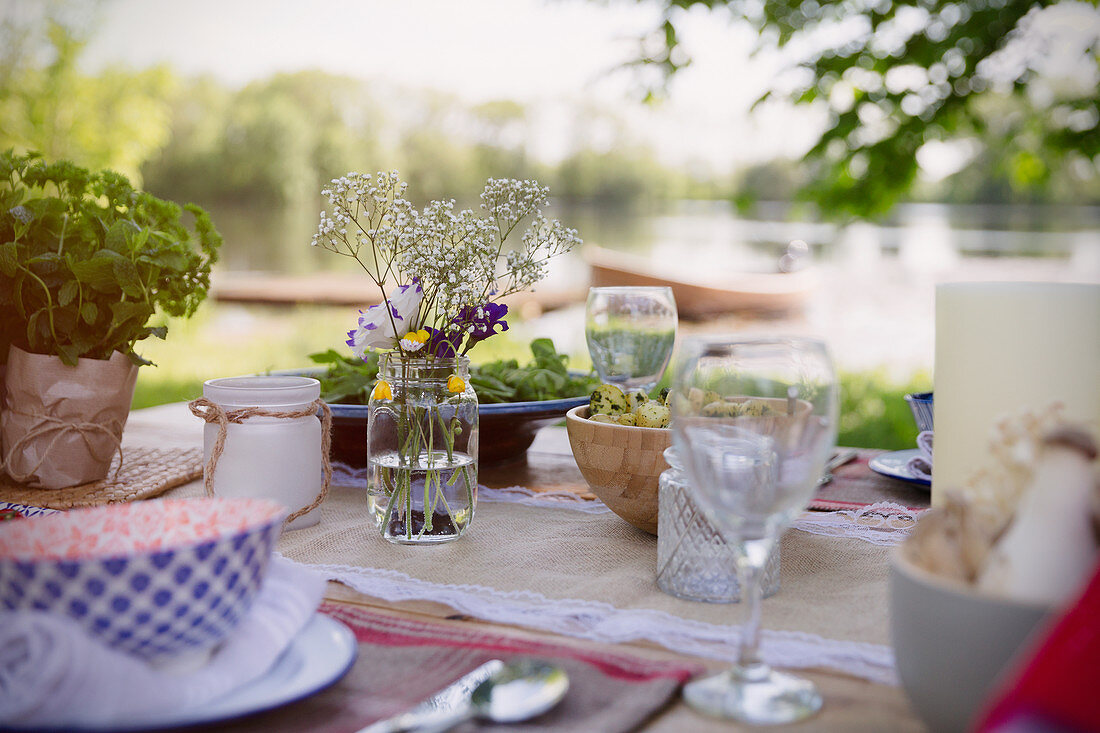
<point x="621" y="464"/>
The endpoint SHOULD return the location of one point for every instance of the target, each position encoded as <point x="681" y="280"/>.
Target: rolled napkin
<point x="53" y="674"/>
<point x="920" y="466"/>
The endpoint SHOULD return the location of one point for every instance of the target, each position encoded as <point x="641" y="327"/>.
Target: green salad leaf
<point x="349" y="380"/>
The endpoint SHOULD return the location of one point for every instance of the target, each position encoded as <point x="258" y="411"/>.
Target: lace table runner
<point x="568" y="566"/>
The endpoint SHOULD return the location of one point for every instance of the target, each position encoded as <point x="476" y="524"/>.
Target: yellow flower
<point x="381" y="391"/>
<point x="414" y="340"/>
<point x="455" y="384"/>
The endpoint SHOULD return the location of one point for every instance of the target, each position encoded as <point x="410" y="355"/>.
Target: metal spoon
<point x="518" y="691"/>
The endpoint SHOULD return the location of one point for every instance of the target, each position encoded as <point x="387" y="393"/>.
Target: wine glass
<point x="630" y="333"/>
<point x="754" y="421"/>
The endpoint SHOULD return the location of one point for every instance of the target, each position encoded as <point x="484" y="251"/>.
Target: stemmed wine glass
<point x="630" y="333"/>
<point x="754" y="421"/>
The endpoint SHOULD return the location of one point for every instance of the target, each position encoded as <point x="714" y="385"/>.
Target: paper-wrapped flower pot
<point x="61" y="425"/>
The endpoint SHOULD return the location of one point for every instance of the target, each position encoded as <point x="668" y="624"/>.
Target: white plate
<point x="318" y="656"/>
<point x="894" y="465"/>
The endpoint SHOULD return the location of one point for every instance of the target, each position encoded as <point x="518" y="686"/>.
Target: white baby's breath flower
<point x="459" y="259"/>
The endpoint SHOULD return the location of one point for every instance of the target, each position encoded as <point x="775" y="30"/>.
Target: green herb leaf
<point x="67" y="292"/>
<point x="547" y="357"/>
<point x="88" y="312"/>
<point x="32" y="326"/>
<point x="97" y="272"/>
<point x="138" y="359"/>
<point x="127" y="275"/>
<point x="118" y="236"/>
<point x="327" y="357"/>
<point x="68" y="353"/>
<point x="128" y="311"/>
<point x="9" y="258"/>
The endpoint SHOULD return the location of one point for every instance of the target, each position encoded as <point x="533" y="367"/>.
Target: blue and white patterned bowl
<point x="156" y="579"/>
<point x="921" y="405"/>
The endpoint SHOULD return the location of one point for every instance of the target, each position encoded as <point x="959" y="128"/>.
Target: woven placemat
<point x="145" y="473"/>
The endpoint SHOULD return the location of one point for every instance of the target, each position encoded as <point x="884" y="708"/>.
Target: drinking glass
<point x="630" y="333"/>
<point x="754" y="421"/>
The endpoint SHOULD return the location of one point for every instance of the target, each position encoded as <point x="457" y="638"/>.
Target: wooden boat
<point x="351" y="289"/>
<point x="712" y="292"/>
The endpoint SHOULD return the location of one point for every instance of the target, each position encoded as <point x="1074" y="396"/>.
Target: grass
<point x="226" y="340"/>
<point x="873" y="410"/>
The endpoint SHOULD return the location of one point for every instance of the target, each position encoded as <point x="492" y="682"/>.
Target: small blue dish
<point x="921" y="405"/>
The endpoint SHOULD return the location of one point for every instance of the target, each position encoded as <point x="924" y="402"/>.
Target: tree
<point x="896" y="75"/>
<point x="114" y="120"/>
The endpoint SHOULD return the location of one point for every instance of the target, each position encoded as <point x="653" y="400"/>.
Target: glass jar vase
<point x="422" y="435"/>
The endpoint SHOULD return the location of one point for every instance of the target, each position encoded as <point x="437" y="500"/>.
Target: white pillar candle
<point x="1001" y="349"/>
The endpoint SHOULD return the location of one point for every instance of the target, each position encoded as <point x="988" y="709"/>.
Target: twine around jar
<point x="212" y="412"/>
<point x="60" y="427"/>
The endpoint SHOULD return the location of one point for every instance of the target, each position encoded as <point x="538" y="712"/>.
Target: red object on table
<point x="1056" y="689"/>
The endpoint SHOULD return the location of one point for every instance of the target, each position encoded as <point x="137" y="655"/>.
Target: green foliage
<point x="544" y="378"/>
<point x="86" y="260"/>
<point x="274" y="142"/>
<point x="115" y="120"/>
<point x="150" y="393"/>
<point x="873" y="410"/>
<point x="350" y="380"/>
<point x="894" y="76"/>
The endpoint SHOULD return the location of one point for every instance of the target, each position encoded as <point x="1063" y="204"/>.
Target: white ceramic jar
<point x="277" y="458"/>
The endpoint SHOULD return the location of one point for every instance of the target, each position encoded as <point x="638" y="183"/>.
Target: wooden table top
<point x="850" y="703"/>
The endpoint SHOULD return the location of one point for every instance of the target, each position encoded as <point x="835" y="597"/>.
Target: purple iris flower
<point x="484" y="319"/>
<point x="441" y="344"/>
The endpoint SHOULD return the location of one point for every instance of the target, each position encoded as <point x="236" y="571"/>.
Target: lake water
<point x="263" y="239"/>
<point x="875" y="302"/>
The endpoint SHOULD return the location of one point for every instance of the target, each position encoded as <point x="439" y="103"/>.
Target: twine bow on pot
<point x="59" y="427"/>
<point x="212" y="412"/>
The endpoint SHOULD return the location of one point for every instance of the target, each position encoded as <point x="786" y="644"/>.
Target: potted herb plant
<point x="85" y="263"/>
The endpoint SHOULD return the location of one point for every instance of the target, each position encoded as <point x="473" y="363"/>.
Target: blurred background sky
<point x="546" y="54"/>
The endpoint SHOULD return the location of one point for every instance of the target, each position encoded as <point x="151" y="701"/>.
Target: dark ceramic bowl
<point x="506" y="430"/>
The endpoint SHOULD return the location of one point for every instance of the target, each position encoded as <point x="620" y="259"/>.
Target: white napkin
<point x="920" y="466"/>
<point x="53" y="674"/>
